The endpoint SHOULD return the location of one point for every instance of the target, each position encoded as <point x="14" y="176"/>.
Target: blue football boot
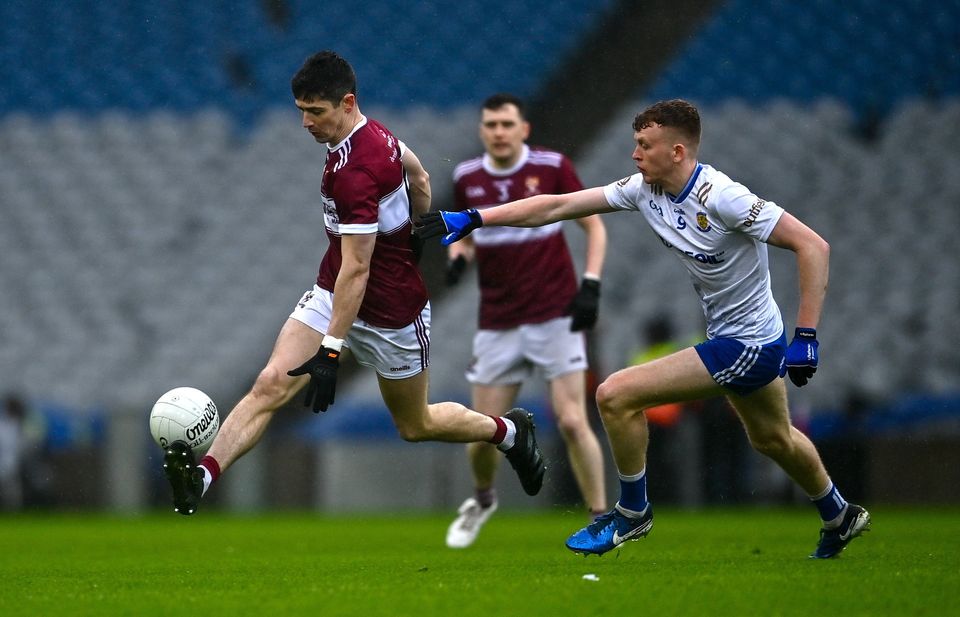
<point x="856" y="520"/>
<point x="609" y="531"/>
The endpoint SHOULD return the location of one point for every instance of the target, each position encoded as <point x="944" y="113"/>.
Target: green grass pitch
<point x="725" y="562"/>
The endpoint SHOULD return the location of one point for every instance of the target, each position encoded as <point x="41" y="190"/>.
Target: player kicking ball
<point x="369" y="297"/>
<point x="720" y="231"/>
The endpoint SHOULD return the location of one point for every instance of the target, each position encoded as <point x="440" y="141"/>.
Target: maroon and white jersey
<point x="364" y="191"/>
<point x="526" y="273"/>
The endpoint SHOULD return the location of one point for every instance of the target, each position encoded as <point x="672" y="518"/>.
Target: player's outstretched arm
<point x="530" y="212"/>
<point x="545" y="209"/>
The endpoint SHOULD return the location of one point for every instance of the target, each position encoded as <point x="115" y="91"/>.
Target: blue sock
<point x="830" y="504"/>
<point x="633" y="491"/>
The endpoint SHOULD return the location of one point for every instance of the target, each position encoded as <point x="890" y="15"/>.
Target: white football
<point x="185" y="414"/>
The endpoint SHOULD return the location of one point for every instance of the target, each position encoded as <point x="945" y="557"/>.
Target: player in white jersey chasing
<point x="719" y="230"/>
<point x="531" y="317"/>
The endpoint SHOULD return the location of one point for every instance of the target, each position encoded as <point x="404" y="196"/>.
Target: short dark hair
<point x="500" y="99"/>
<point x="676" y="114"/>
<point x="324" y="76"/>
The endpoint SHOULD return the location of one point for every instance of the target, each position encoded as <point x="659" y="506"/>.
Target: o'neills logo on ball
<point x="209" y="414"/>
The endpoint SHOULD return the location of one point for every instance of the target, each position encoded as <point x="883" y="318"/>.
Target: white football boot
<point x="465" y="529"/>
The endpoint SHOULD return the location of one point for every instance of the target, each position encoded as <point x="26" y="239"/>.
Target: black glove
<point x="802" y="356"/>
<point x="585" y="305"/>
<point x="416" y="245"/>
<point x="455" y="268"/>
<point x="322" y="369"/>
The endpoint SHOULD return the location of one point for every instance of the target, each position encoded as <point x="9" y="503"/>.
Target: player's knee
<point x="611" y="398"/>
<point x="272" y="385"/>
<point x="772" y="445"/>
<point x="571" y="426"/>
<point x="413" y="431"/>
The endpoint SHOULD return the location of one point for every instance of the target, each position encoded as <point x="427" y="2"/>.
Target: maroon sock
<point x="486" y="497"/>
<point x="501" y="431"/>
<point x="212" y="466"/>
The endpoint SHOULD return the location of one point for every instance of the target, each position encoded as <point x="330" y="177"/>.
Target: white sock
<point x="207" y="480"/>
<point x="630" y="513"/>
<point x="510" y="438"/>
<point x="833" y="524"/>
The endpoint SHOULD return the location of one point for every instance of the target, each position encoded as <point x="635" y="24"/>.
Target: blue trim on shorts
<point x="742" y="368"/>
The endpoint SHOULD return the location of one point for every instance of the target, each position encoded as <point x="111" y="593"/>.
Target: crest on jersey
<point x="330" y="210"/>
<point x="702" y="223"/>
<point x="533" y="185"/>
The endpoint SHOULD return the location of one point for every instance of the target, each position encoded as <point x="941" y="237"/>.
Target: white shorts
<point x="394" y="354"/>
<point x="502" y="357"/>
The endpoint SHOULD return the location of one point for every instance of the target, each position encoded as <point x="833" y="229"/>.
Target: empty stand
<point x="184" y="55"/>
<point x="158" y="195"/>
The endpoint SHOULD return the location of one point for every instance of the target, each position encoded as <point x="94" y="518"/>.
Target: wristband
<point x="591" y="284"/>
<point x="332" y="342"/>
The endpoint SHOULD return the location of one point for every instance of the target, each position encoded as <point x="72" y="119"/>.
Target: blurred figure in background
<point x="696" y="448"/>
<point x="532" y="315"/>
<point x="26" y="474"/>
<point x="13" y="448"/>
<point x="725" y="471"/>
<point x="665" y="452"/>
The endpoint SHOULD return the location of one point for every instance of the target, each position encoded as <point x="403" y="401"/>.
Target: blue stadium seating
<point x="83" y="197"/>
<point x="869" y="55"/>
<point x="90" y="55"/>
<point x="131" y="237"/>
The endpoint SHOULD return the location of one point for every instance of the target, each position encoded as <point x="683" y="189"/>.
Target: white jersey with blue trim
<point x="718" y="229"/>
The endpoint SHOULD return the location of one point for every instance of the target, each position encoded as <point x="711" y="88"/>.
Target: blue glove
<point x="451" y="225"/>
<point x="801" y="358"/>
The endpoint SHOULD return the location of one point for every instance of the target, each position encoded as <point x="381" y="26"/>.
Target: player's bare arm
<point x="530" y="212"/>
<point x="544" y="209"/>
<point x="419" y="180"/>
<point x="348" y="292"/>
<point x="596" y="233"/>
<point x="351" y="283"/>
<point x="813" y="265"/>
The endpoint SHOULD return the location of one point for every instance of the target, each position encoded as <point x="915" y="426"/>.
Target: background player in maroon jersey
<point x="531" y="313"/>
<point x="369" y="296"/>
